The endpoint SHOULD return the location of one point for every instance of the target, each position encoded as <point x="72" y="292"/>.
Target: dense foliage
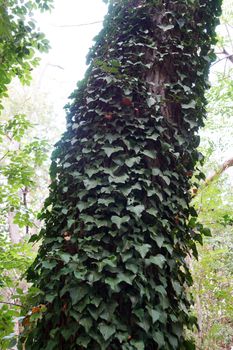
<point x="119" y="225"/>
<point x="212" y="273"/>
<point x="21" y="153"/>
<point x="19" y="40"/>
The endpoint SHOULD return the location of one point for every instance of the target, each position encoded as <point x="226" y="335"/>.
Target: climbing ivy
<point x="118" y="222"/>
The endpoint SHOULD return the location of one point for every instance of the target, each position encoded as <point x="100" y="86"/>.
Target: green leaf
<point x="65" y="257"/>
<point x="166" y="27"/>
<point x="131" y="161"/>
<point x="159" y="338"/>
<point x="137" y="209"/>
<point x="110" y="150"/>
<point x="157" y="260"/>
<point x="152" y="212"/>
<point x="143" y="249"/>
<point x="149" y="153"/>
<point x="106" y="330"/>
<point x="119" y="220"/>
<point x="151" y="102"/>
<point x="70" y="223"/>
<point x="190" y="105"/>
<point x="153" y="137"/>
<point x="86" y="322"/>
<point x="77" y="294"/>
<point x="49" y="264"/>
<point x="155" y="315"/>
<point x="138" y="344"/>
<point x="118" y="179"/>
<point x="90" y="184"/>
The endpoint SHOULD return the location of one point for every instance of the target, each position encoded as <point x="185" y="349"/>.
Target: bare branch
<point x="229" y="56"/>
<point x="227" y="164"/>
<point x="76" y="25"/>
<point x="4" y="156"/>
<point x="13" y="304"/>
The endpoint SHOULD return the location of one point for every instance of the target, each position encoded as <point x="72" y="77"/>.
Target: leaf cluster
<point x="20" y="40"/>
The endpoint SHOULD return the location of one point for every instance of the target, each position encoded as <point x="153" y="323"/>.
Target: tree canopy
<point x="19" y="40"/>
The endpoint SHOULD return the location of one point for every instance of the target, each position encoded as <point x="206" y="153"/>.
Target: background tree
<point x="20" y="42"/>
<point x="213" y="272"/>
<point x="119" y="226"/>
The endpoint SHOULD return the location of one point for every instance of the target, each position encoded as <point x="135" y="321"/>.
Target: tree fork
<point x="118" y="221"/>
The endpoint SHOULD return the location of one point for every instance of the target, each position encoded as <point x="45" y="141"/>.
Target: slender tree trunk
<point x="118" y="220"/>
<point x="13" y="228"/>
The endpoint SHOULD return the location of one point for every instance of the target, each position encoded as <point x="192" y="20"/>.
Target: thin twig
<point x="4" y="156"/>
<point x="8" y="303"/>
<point x="227" y="164"/>
<point x="229" y="56"/>
<point x="76" y="25"/>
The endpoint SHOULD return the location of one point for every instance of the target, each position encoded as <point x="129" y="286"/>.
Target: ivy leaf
<point x="157" y="260"/>
<point x="138" y="344"/>
<point x="159" y="240"/>
<point x="131" y="161"/>
<point x="113" y="283"/>
<point x="81" y="206"/>
<point x="106" y="201"/>
<point x="118" y="179"/>
<point x="65" y="257"/>
<point x="153" y="137"/>
<point x="190" y="105"/>
<point x="155" y="315"/>
<point x="166" y="27"/>
<point x="66" y="165"/>
<point x="106" y="330"/>
<point x="138" y="209"/>
<point x="151" y="102"/>
<point x="166" y="179"/>
<point x="86" y="322"/>
<point x="156" y="171"/>
<point x="152" y="212"/>
<point x="149" y="153"/>
<point x="110" y="150"/>
<point x="119" y="220"/>
<point x="49" y="264"/>
<point x="89" y="184"/>
<point x="159" y="338"/>
<point x="70" y="222"/>
<point x="143" y="249"/>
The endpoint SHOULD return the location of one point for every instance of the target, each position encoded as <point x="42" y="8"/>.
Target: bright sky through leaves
<point x="65" y="63"/>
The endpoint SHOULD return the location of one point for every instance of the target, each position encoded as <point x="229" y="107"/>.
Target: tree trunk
<point x="14" y="233"/>
<point x="118" y="220"/>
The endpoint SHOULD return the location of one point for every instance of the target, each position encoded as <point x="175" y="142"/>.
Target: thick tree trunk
<point x="112" y="263"/>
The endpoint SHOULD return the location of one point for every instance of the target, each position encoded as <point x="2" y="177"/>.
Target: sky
<point x="64" y="65"/>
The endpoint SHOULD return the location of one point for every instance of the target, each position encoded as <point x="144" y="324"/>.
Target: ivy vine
<point x="118" y="222"/>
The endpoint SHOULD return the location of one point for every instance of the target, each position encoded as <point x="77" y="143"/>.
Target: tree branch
<point x="229" y="56"/>
<point x="227" y="164"/>
<point x="77" y="25"/>
<point x="4" y="156"/>
<point x="13" y="304"/>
